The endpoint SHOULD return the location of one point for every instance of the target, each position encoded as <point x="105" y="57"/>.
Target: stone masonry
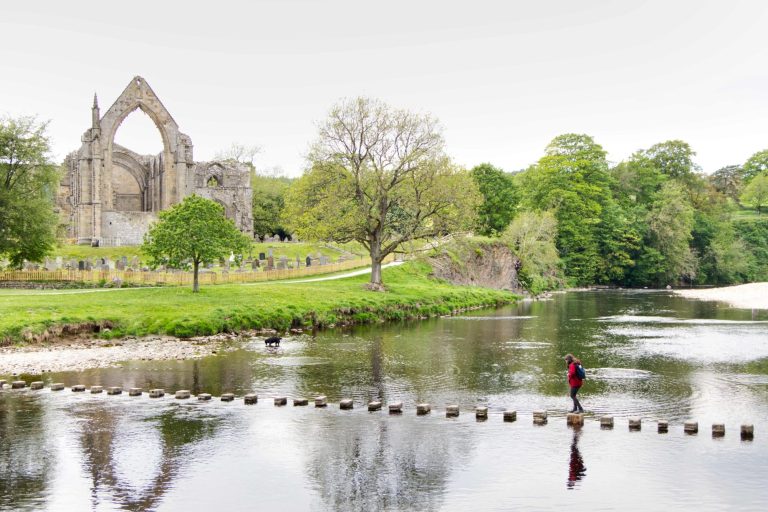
<point x="110" y="194"/>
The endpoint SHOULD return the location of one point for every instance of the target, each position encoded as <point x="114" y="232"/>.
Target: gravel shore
<point x="744" y="296"/>
<point x="81" y="355"/>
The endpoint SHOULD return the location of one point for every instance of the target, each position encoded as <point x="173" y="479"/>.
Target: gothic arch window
<point x="213" y="182"/>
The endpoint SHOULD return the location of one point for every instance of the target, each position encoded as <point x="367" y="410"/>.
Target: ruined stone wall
<point x="126" y="228"/>
<point x="112" y="193"/>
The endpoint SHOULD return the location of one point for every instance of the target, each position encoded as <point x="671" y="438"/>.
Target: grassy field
<point x="227" y="308"/>
<point x="745" y="214"/>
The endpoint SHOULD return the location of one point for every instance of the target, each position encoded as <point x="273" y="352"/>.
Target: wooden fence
<point x="180" y="278"/>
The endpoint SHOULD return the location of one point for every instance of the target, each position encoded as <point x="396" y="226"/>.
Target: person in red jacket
<point x="574" y="381"/>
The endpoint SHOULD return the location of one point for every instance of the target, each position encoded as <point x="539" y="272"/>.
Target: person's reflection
<point x="576" y="468"/>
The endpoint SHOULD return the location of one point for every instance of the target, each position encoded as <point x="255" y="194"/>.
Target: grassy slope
<point x="178" y="312"/>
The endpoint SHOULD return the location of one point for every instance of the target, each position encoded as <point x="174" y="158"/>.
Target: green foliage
<point x="573" y="180"/>
<point x="379" y="176"/>
<point x="268" y="202"/>
<point x="670" y="222"/>
<point x="754" y="234"/>
<point x="674" y="158"/>
<point x="755" y="165"/>
<point x="531" y="236"/>
<point x="192" y="232"/>
<point x="756" y="192"/>
<point x="499" y="199"/>
<point x="28" y="183"/>
<point x="729" y="181"/>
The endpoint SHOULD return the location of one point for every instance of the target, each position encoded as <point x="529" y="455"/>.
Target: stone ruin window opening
<point x="132" y="170"/>
<point x="139" y="133"/>
<point x="213" y="182"/>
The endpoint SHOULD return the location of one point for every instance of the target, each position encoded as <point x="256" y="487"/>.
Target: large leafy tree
<point x="268" y="202"/>
<point x="667" y="255"/>
<point x="531" y="235"/>
<point x="756" y="193"/>
<point x="379" y="175"/>
<point x="572" y="179"/>
<point x="755" y="165"/>
<point x="192" y="232"/>
<point x="28" y="182"/>
<point x="499" y="199"/>
<point x="673" y="158"/>
<point x="729" y="181"/>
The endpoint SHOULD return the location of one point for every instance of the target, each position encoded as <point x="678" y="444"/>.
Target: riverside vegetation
<point x="40" y="316"/>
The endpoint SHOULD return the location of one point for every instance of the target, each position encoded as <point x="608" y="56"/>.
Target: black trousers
<point x="576" y="404"/>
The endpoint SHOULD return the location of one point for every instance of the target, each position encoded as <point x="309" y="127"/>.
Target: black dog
<point x="272" y="341"/>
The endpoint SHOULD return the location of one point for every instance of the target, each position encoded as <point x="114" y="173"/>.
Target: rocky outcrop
<point x="486" y="264"/>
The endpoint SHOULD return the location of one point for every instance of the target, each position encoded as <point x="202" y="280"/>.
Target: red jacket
<point x="573" y="379"/>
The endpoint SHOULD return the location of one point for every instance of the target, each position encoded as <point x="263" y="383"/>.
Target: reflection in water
<point x="104" y="456"/>
<point x="27" y="457"/>
<point x="378" y="462"/>
<point x="161" y="454"/>
<point x="576" y="468"/>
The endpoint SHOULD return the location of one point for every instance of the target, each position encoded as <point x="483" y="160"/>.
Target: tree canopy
<point x="380" y="176"/>
<point x="499" y="199"/>
<point x="192" y="232"/>
<point x="28" y="183"/>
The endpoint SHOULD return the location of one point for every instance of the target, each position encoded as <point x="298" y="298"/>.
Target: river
<point x="648" y="354"/>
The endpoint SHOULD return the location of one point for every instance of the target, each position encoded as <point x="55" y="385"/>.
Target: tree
<point x="531" y="235"/>
<point x="673" y="158"/>
<point x="268" y="202"/>
<point x="755" y="165"/>
<point x="192" y="232"/>
<point x="729" y="181"/>
<point x="379" y="176"/>
<point x="28" y="183"/>
<point x="499" y="199"/>
<point x="670" y="222"/>
<point x="242" y="153"/>
<point x="756" y="193"/>
<point x="572" y="178"/>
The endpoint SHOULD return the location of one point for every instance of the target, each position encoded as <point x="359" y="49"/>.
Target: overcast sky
<point x="503" y="77"/>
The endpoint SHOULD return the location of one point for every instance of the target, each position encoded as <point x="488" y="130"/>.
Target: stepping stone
<point x="96" y="389"/>
<point x="251" y="398"/>
<point x="156" y="393"/>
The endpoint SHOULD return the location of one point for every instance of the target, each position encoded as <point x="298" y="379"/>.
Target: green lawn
<point x="224" y="308"/>
<point x="745" y="214"/>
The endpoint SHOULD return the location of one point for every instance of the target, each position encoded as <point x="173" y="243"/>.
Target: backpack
<point x="581" y="373"/>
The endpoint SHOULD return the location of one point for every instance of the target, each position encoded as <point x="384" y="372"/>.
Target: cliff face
<point x="489" y="264"/>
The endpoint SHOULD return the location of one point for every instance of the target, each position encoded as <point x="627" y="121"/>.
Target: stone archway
<point x="139" y="95"/>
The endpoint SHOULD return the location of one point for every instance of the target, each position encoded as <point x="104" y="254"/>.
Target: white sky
<point x="503" y="77"/>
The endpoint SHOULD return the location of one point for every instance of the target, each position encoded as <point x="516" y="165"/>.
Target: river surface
<point x="648" y="354"/>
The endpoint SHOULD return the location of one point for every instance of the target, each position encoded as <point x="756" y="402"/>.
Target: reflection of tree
<point x="576" y="469"/>
<point x="380" y="464"/>
<point x="26" y="457"/>
<point x="101" y="457"/>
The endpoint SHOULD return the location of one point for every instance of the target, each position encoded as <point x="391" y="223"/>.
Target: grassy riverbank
<point x="43" y="315"/>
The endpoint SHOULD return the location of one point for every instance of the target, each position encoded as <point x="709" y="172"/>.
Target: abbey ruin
<point x="110" y="194"/>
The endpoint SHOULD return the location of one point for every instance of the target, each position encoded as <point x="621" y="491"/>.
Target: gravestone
<point x="81" y="265"/>
<point x="120" y="264"/>
<point x="323" y="260"/>
<point x="270" y="263"/>
<point x="298" y="262"/>
<point x="281" y="264"/>
<point x="269" y="252"/>
<point x="135" y="262"/>
<point x="262" y="256"/>
<point x="59" y="262"/>
<point x="254" y="264"/>
<point x="309" y="261"/>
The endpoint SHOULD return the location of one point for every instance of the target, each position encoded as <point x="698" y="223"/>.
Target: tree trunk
<point x="195" y="282"/>
<point x="376" y="257"/>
